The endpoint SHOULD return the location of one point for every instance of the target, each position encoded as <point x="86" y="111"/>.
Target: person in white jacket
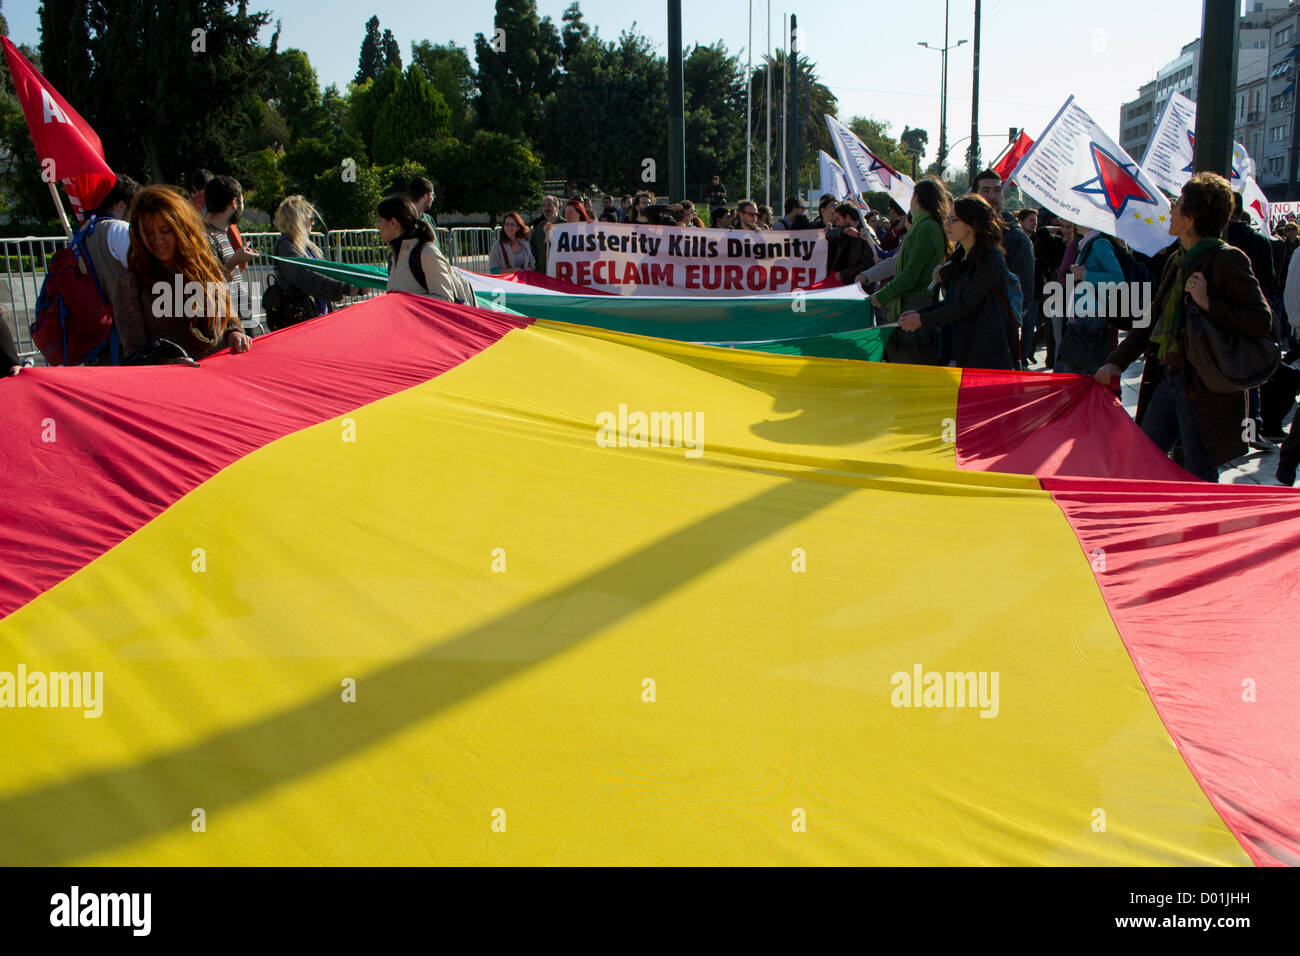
<point x="426" y="272"/>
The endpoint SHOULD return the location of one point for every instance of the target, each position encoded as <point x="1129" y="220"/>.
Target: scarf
<point x="1168" y="331"/>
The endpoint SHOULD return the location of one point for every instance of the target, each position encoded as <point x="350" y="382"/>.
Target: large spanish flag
<point x="415" y="583"/>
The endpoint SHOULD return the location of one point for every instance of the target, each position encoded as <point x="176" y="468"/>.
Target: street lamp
<point x="943" y="86"/>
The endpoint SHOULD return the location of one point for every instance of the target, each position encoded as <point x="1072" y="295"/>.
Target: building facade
<point x="1264" y="57"/>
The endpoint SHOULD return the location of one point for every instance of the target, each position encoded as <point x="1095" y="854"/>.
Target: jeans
<point x="1029" y="330"/>
<point x="1168" y="419"/>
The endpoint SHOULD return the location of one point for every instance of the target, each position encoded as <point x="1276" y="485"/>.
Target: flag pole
<point x="767" y="108"/>
<point x="749" y="100"/>
<point x="58" y="204"/>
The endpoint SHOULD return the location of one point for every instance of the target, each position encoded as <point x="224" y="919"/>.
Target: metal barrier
<point x="25" y="262"/>
<point x="471" y="246"/>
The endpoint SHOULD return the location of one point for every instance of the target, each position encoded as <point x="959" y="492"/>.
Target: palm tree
<point x="815" y="102"/>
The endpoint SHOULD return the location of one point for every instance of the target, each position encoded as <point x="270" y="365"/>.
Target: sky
<point x="1034" y="53"/>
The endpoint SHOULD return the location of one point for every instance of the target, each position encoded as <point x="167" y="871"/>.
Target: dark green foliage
<point x="371" y="61"/>
<point x="448" y="68"/>
<point x="414" y="108"/>
<point x="515" y="82"/>
<point x="162" y="97"/>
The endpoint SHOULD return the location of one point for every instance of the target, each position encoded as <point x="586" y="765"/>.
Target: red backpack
<point x="74" y="320"/>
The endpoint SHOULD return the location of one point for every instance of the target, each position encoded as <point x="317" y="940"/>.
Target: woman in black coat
<point x="973" y="282"/>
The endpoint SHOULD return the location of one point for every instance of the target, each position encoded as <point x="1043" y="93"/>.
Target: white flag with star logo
<point x="1168" y="159"/>
<point x="1078" y="172"/>
<point x="867" y="172"/>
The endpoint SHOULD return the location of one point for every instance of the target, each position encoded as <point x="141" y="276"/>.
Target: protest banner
<point x="631" y="259"/>
<point x="1169" y="156"/>
<point x="1078" y="172"/>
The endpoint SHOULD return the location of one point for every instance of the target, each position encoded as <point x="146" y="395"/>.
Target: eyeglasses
<point x="749" y="212"/>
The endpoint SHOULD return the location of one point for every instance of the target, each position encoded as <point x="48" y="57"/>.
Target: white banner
<point x="867" y="172"/>
<point x="1282" y="211"/>
<point x="1078" y="172"/>
<point x="1168" y="158"/>
<point x="671" y="260"/>
<point x="834" y="180"/>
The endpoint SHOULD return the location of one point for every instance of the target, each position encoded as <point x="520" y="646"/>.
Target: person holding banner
<point x="1207" y="274"/>
<point x="973" y="282"/>
<point x="511" y="252"/>
<point x="173" y="305"/>
<point x="924" y="248"/>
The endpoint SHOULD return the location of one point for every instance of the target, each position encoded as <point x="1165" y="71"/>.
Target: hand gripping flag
<point x="1011" y="156"/>
<point x="867" y="172"/>
<point x="1169" y="156"/>
<point x="834" y="180"/>
<point x="68" y="149"/>
<point x="1078" y="172"/>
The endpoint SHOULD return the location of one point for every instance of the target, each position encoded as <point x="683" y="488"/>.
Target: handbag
<point x="1226" y="360"/>
<point x="1084" y="345"/>
<point x="286" y="304"/>
<point x="157" y="352"/>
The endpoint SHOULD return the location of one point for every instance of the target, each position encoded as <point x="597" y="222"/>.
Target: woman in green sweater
<point x="924" y="248"/>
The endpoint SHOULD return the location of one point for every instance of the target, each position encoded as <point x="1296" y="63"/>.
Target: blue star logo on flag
<point x="1191" y="167"/>
<point x="1115" y="182"/>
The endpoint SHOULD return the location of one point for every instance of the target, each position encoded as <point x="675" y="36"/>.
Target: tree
<point x="613" y="93"/>
<point x="414" y="108"/>
<point x="263" y="181"/>
<point x="816" y="101"/>
<point x="449" y="70"/>
<point x="167" y="85"/>
<point x="506" y="175"/>
<point x="714" y="87"/>
<point x="575" y="33"/>
<point x="915" y="138"/>
<point x="367" y="100"/>
<point x="392" y="51"/>
<point x="518" y="69"/>
<point x="294" y="92"/>
<point x="371" y="62"/>
<point x="349" y="203"/>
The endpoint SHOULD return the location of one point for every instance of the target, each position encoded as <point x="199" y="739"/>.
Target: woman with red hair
<point x="173" y="304"/>
<point x="575" y="211"/>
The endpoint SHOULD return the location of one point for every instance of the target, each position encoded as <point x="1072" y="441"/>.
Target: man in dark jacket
<point x="848" y="254"/>
<point x="1019" y="251"/>
<point x="1241" y="234"/>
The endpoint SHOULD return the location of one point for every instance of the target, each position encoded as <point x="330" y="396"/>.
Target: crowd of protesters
<point x="958" y="281"/>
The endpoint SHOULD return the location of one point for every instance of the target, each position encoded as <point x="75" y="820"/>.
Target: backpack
<point x="1013" y="302"/>
<point x="464" y="293"/>
<point x="73" y="320"/>
<point x="1012" y="297"/>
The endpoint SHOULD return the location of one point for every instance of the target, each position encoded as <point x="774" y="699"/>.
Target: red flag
<point x="61" y="135"/>
<point x="1011" y="156"/>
